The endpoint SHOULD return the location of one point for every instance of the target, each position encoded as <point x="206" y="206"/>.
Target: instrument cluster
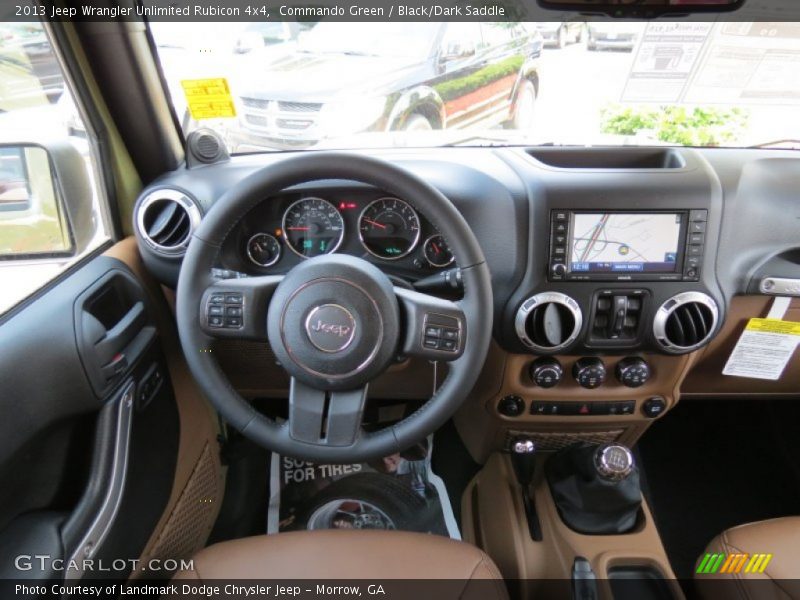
<point x="293" y="227"/>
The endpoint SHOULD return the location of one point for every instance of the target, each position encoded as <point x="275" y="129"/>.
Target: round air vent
<point x="166" y="219"/>
<point x="548" y="322"/>
<point x="685" y="322"/>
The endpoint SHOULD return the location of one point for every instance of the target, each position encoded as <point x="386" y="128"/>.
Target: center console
<point x="619" y="294"/>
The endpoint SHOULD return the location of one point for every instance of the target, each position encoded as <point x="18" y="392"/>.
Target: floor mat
<point x="712" y="465"/>
<point x="400" y="491"/>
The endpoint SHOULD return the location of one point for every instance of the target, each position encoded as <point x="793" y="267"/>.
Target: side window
<point x="50" y="208"/>
<point x="460" y="40"/>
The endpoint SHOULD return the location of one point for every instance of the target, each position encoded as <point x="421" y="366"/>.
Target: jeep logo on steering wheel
<point x="330" y="327"/>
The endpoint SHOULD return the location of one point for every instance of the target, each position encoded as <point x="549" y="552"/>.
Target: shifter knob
<point x="614" y="462"/>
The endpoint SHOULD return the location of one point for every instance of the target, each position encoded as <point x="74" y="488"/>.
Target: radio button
<point x="697" y="238"/>
<point x="559" y="216"/>
<point x="695" y="250"/>
<point x="560" y="228"/>
<point x="558" y="270"/>
<point x="698" y="215"/>
<point x="697" y="227"/>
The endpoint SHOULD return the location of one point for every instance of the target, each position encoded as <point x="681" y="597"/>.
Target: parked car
<point x="268" y="33"/>
<point x="612" y="35"/>
<point x="29" y="73"/>
<point x="560" y="33"/>
<point x="397" y="77"/>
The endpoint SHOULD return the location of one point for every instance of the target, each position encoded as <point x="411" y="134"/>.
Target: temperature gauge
<point x="437" y="252"/>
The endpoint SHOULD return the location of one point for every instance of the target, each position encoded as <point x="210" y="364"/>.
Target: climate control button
<point x="589" y="372"/>
<point x="546" y="372"/>
<point x="632" y="371"/>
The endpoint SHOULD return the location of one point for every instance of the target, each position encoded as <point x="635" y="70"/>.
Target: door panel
<point x="96" y="447"/>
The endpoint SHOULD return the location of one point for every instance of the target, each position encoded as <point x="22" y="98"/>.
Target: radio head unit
<point x="596" y="245"/>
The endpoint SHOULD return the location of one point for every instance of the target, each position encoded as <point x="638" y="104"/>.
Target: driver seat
<point x="381" y="556"/>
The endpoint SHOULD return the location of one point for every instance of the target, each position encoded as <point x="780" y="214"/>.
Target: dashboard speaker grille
<point x="166" y="219"/>
<point x="686" y="322"/>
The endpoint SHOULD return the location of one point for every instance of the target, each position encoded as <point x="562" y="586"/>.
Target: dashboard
<point x="613" y="269"/>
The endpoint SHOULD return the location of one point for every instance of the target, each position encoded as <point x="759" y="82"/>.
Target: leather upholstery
<point x="338" y="554"/>
<point x="780" y="580"/>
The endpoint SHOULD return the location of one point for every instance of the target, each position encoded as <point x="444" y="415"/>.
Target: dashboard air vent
<point x="548" y="322"/>
<point x="685" y="322"/>
<point x="166" y="219"/>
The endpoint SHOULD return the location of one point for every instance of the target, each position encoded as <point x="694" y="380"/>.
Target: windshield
<point x="323" y="85"/>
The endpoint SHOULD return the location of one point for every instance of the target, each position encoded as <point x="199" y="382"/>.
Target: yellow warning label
<point x="209" y="98"/>
<point x="774" y="326"/>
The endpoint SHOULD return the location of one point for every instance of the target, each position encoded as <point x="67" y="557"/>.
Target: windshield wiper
<point x="791" y="141"/>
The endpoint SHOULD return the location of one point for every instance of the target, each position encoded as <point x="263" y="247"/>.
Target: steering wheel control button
<point x="589" y="372"/>
<point x="632" y="371"/>
<point x="433" y="332"/>
<point x="511" y="406"/>
<point x="613" y="462"/>
<point x="331" y="327"/>
<point x="653" y="407"/>
<point x="441" y="332"/>
<point x="225" y="310"/>
<point x="546" y="372"/>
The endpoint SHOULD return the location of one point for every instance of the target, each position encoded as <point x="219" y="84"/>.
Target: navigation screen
<point x="625" y="242"/>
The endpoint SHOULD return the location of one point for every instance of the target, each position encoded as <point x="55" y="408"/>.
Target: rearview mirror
<point x="45" y="201"/>
<point x="644" y="8"/>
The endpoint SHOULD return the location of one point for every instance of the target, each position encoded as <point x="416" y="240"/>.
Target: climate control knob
<point x="546" y="372"/>
<point x="632" y="371"/>
<point x="589" y="372"/>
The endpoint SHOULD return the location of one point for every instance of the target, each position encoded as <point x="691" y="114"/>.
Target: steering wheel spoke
<point x="325" y="418"/>
<point x="434" y="328"/>
<point x="237" y="308"/>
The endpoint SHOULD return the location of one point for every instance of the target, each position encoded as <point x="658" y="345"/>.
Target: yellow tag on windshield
<point x="774" y="326"/>
<point x="209" y="98"/>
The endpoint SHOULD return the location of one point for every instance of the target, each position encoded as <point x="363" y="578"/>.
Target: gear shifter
<point x="523" y="460"/>
<point x="595" y="488"/>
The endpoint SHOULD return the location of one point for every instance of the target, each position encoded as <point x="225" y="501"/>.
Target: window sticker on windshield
<point x="209" y="98"/>
<point x="764" y="349"/>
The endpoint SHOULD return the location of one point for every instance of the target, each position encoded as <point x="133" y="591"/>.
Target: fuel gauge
<point x="437" y="252"/>
<point x="263" y="250"/>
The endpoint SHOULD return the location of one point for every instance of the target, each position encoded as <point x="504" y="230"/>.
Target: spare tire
<point x="366" y="501"/>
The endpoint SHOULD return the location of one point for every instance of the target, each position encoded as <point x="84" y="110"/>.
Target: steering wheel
<point x="335" y="322"/>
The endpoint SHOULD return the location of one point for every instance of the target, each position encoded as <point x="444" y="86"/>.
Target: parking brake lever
<point x="523" y="460"/>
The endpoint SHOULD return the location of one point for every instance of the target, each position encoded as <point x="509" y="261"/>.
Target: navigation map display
<point x="624" y="242"/>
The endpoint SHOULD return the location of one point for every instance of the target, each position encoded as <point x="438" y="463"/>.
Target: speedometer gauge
<point x="313" y="226"/>
<point x="389" y="228"/>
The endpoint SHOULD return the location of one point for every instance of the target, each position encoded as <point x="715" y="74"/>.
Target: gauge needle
<point x="298" y="228"/>
<point x="375" y="223"/>
<point x="435" y="247"/>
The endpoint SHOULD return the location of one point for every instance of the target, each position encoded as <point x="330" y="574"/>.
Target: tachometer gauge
<point x="389" y="228"/>
<point x="437" y="252"/>
<point x="263" y="250"/>
<point x="313" y="226"/>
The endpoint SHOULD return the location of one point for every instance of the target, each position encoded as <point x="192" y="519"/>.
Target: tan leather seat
<point x="337" y="554"/>
<point x="780" y="579"/>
